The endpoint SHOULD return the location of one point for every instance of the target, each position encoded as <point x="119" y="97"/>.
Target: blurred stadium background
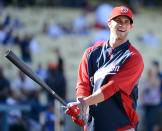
<point x="51" y="25"/>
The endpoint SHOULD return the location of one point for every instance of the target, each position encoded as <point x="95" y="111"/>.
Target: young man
<point x="107" y="88"/>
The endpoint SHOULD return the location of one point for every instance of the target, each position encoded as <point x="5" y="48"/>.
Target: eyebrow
<point x="118" y="18"/>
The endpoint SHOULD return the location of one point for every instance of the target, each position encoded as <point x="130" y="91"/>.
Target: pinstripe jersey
<point x="116" y="72"/>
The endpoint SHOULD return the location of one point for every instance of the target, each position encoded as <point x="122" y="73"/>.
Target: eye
<point x="117" y="20"/>
<point x="127" y="22"/>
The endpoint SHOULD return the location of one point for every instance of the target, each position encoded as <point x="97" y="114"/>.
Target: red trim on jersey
<point x="83" y="86"/>
<point x="111" y="53"/>
<point x="125" y="128"/>
<point x="131" y="113"/>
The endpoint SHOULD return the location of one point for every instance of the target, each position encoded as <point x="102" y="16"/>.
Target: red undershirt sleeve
<point x="83" y="87"/>
<point x="126" y="78"/>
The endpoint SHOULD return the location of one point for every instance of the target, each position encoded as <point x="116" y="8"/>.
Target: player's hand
<point x="78" y="111"/>
<point x="76" y="108"/>
<point x="79" y="120"/>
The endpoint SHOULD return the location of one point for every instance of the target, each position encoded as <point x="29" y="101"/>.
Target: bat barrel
<point x="24" y="68"/>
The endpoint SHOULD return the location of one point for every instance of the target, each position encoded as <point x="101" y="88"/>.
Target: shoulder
<point x="135" y="53"/>
<point x="136" y="59"/>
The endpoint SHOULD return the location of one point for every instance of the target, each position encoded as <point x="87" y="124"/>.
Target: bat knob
<point x="7" y="52"/>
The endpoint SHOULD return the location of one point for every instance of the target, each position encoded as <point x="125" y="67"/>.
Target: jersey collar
<point x="120" y="47"/>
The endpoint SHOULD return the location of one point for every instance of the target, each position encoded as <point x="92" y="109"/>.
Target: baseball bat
<point x="10" y="55"/>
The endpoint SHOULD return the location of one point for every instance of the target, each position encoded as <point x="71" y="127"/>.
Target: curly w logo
<point x="124" y="10"/>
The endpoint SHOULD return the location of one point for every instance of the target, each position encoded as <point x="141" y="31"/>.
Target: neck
<point x="114" y="42"/>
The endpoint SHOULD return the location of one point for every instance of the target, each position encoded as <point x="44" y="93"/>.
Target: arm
<point x="95" y="98"/>
<point x="82" y="91"/>
<point x="83" y="86"/>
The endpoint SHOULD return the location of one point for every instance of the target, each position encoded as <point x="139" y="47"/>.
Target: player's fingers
<point x="78" y="121"/>
<point x="64" y="107"/>
<point x="73" y="110"/>
<point x="68" y="111"/>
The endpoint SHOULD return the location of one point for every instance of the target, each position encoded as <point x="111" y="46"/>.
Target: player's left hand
<point x="78" y="111"/>
<point x="79" y="120"/>
<point x="76" y="108"/>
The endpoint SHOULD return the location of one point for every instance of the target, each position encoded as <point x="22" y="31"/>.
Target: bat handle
<point x="60" y="99"/>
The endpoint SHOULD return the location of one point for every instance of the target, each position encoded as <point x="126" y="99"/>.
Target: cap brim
<point x="131" y="21"/>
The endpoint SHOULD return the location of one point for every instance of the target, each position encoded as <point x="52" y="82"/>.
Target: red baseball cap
<point x="121" y="10"/>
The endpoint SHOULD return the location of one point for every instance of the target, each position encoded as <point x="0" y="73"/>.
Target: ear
<point x="131" y="26"/>
<point x="109" y="23"/>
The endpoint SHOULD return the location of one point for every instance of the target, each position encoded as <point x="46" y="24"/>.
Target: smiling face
<point x="119" y="27"/>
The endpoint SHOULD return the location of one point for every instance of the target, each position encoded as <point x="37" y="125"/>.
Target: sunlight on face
<point x="120" y="26"/>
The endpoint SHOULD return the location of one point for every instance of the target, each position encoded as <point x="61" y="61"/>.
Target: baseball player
<point x="107" y="86"/>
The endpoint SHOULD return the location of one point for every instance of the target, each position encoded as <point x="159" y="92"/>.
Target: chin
<point x="122" y="37"/>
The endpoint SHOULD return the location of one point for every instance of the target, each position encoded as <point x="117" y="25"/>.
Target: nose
<point x="122" y="24"/>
